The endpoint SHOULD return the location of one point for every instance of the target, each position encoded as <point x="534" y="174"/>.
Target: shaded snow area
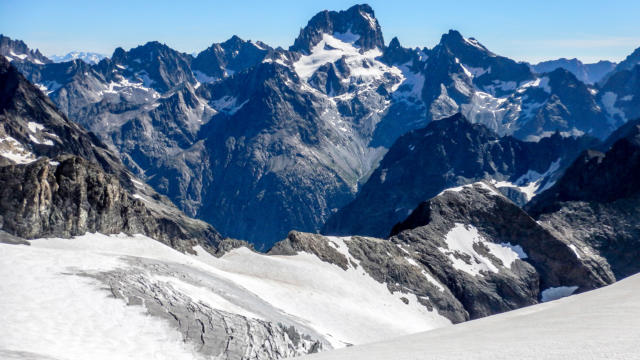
<point x="555" y="293"/>
<point x="114" y="297"/>
<point x="609" y="100"/>
<point x="13" y="150"/>
<point x="476" y="185"/>
<point x="600" y="324"/>
<point x="532" y="182"/>
<point x="463" y="242"/>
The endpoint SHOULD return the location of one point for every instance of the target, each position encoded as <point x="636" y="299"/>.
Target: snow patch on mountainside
<point x="609" y="101"/>
<point x="531" y="183"/>
<point x="13" y="150"/>
<point x="462" y="241"/>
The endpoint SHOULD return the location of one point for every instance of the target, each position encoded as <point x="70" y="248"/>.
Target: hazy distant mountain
<point x="587" y="73"/>
<point x="88" y="57"/>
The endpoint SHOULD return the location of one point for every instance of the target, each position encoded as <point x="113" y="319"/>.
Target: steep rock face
<point x="595" y="205"/>
<point x="84" y="188"/>
<point x="282" y="155"/>
<point x="29" y="117"/>
<point x="461" y="75"/>
<point x="157" y="65"/>
<point x="447" y="153"/>
<point x="17" y="51"/>
<point x="567" y="105"/>
<point x="70" y="196"/>
<point x="495" y="218"/>
<point x="628" y="63"/>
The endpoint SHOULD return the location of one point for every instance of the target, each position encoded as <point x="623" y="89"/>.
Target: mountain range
<point x="300" y="130"/>
<point x="252" y="202"/>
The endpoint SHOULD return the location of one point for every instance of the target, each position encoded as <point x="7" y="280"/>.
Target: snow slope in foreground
<point x="600" y="324"/>
<point x="53" y="305"/>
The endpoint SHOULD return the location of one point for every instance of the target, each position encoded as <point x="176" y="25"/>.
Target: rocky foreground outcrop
<point x="69" y="196"/>
<point x="469" y="252"/>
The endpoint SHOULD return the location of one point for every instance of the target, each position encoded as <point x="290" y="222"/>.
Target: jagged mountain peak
<point x="151" y="48"/>
<point x="17" y="50"/>
<point x="227" y="58"/>
<point x="358" y="23"/>
<point x="158" y="66"/>
<point x="455" y="42"/>
<point x="630" y="61"/>
<point x="394" y="53"/>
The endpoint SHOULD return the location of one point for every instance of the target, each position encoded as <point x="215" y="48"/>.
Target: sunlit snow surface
<point x="461" y="242"/>
<point x="50" y="309"/>
<point x="600" y="324"/>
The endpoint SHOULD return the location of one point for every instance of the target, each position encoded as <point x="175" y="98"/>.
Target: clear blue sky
<point x="523" y="30"/>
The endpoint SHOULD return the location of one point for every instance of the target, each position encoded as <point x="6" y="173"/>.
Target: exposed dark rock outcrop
<point x="448" y="153"/>
<point x="595" y="206"/>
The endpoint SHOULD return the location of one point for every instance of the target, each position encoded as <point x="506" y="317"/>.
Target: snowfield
<point x="54" y="305"/>
<point x="600" y="324"/>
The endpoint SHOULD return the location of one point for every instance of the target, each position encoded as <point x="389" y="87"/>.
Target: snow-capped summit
<point x="88" y="57"/>
<point x="357" y="25"/>
<point x="458" y="43"/>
